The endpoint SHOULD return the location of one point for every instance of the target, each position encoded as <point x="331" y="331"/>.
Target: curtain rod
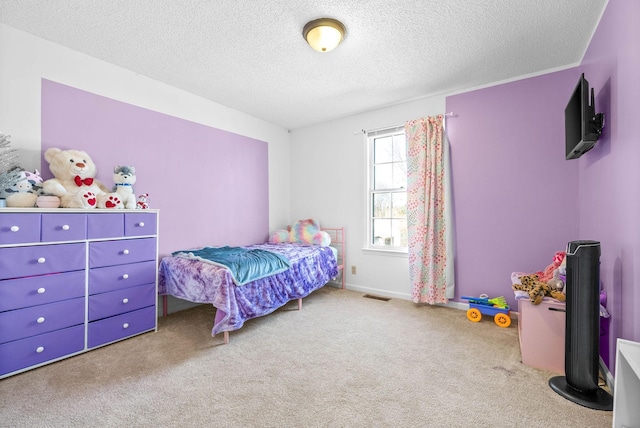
<point x="384" y="128"/>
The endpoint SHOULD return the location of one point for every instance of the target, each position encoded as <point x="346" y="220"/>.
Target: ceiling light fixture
<point x="324" y="34"/>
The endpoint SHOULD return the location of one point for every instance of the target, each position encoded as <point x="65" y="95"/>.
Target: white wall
<point x="326" y="161"/>
<point x="328" y="167"/>
<point x="25" y="59"/>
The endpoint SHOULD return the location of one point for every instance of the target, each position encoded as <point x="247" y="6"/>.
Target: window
<point x="387" y="197"/>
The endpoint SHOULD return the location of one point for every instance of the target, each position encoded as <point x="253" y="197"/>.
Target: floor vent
<point x="371" y="296"/>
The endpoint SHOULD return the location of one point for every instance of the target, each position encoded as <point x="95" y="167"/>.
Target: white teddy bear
<point x="75" y="183"/>
<point x="124" y="178"/>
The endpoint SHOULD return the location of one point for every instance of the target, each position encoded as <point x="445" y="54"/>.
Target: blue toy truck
<point x="496" y="307"/>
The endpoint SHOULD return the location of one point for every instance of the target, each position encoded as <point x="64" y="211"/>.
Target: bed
<point x="192" y="279"/>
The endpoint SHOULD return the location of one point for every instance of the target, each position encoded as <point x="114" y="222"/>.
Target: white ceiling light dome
<point x="324" y="34"/>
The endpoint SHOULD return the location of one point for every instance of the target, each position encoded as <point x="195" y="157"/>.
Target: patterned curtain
<point x="429" y="220"/>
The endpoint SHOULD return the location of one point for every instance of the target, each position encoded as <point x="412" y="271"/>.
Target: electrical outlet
<point x="353" y="270"/>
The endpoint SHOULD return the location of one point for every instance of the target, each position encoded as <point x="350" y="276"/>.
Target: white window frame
<point x="370" y="136"/>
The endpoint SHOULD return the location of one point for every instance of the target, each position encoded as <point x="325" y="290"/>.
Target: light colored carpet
<point x="343" y="361"/>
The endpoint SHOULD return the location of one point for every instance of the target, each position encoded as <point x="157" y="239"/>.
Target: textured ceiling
<point x="250" y="55"/>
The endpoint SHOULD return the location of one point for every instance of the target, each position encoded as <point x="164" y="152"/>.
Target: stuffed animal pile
<point x="75" y="183"/>
<point x="537" y="290"/>
<point x="303" y="231"/>
<point x="537" y="286"/>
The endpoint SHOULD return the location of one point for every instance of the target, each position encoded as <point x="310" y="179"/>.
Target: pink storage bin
<point x="542" y="331"/>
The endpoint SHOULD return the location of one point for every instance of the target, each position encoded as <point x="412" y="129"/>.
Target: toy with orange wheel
<point x="496" y="307"/>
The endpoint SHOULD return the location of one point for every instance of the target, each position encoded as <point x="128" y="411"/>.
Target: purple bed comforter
<point x="311" y="268"/>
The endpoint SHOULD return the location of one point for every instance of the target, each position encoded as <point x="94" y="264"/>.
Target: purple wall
<point x="517" y="200"/>
<point x="211" y="186"/>
<point x="609" y="175"/>
<point x="515" y="196"/>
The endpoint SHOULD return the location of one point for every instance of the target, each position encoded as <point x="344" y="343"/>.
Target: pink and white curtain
<point x="429" y="216"/>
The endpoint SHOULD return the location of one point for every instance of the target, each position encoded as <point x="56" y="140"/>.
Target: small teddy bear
<point x="143" y="201"/>
<point x="124" y="178"/>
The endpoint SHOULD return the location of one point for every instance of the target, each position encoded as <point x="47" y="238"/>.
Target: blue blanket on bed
<point x="245" y="265"/>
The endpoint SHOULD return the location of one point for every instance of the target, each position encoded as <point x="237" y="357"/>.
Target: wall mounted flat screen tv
<point x="581" y="123"/>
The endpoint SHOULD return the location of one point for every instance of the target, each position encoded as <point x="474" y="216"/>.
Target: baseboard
<point x="608" y="377"/>
<point x="405" y="296"/>
<point x="377" y="292"/>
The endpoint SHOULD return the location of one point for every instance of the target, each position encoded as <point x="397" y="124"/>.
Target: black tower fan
<point x="582" y="335"/>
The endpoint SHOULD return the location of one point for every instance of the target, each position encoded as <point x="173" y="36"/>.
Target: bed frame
<point x="337" y="242"/>
<point x="225" y="334"/>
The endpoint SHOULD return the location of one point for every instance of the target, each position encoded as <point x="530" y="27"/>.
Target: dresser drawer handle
<point x="41" y="290"/>
<point x="125" y="276"/>
<point x="125" y="325"/>
<point x="40" y="349"/>
<point x="40" y="320"/>
<point x="125" y="252"/>
<point x="15" y="228"/>
<point x="65" y="227"/>
<point x="141" y="224"/>
<point x="125" y="300"/>
<point x="42" y="260"/>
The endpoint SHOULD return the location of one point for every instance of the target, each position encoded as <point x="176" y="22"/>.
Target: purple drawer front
<point x="140" y="224"/>
<point x="64" y="227"/>
<point x="38" y="290"/>
<point x="121" y="326"/>
<point x="107" y="225"/>
<point x="19" y="228"/>
<point x="41" y="319"/>
<point x="41" y="260"/>
<point x="112" y="278"/>
<point x="110" y="253"/>
<point x="29" y="352"/>
<point x="120" y="301"/>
